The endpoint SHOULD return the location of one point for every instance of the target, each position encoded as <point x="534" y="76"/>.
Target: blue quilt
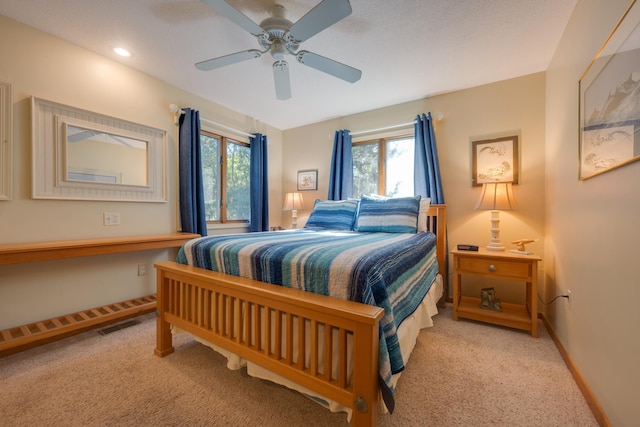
<point x="393" y="271"/>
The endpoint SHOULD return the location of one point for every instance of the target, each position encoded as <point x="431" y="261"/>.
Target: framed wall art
<point x="610" y="100"/>
<point x="308" y="179"/>
<point x="494" y="160"/>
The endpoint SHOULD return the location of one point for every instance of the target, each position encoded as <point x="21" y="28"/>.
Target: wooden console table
<point x="17" y="253"/>
<point x="20" y="338"/>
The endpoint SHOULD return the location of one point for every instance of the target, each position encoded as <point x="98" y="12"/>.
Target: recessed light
<point x="122" y="51"/>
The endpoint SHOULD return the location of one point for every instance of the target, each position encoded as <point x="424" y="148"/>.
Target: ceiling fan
<point x="280" y="37"/>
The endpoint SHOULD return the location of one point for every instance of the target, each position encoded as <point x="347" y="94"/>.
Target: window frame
<point x="382" y="156"/>
<point x="222" y="158"/>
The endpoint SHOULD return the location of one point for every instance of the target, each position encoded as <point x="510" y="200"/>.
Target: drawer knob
<point x="492" y="268"/>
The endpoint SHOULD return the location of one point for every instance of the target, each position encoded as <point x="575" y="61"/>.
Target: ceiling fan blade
<point x="84" y="134"/>
<point x="281" y="78"/>
<point x="233" y="58"/>
<point x="233" y="14"/>
<point x="325" y="14"/>
<point x="119" y="140"/>
<point x="329" y="66"/>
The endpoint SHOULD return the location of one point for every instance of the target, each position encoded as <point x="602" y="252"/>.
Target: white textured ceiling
<point x="406" y="49"/>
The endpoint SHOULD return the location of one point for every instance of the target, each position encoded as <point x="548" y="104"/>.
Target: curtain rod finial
<point x="176" y="111"/>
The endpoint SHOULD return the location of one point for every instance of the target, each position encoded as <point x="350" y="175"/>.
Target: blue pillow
<point x="388" y="215"/>
<point x="333" y="214"/>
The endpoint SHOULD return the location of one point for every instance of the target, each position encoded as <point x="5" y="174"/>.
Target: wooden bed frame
<point x="258" y="321"/>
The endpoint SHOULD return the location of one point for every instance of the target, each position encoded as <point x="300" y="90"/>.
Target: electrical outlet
<point x="142" y="269"/>
<point x="569" y="298"/>
<point x="111" y="218"/>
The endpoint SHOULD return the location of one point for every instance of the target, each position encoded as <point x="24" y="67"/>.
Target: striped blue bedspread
<point x="391" y="270"/>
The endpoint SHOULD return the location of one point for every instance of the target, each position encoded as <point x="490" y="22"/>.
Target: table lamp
<point x="496" y="197"/>
<point x="293" y="202"/>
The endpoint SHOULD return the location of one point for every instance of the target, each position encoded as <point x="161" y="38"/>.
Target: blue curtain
<point x="259" y="184"/>
<point x="426" y="175"/>
<point x="341" y="177"/>
<point x="192" y="215"/>
<point x="426" y="172"/>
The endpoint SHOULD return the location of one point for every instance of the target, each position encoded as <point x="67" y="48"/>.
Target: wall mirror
<point x="82" y="155"/>
<point x="5" y="141"/>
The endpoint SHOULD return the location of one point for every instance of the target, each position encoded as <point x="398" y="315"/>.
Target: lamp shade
<point x="497" y="196"/>
<point x="292" y="202"/>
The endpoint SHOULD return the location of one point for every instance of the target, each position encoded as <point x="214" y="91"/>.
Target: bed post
<point x="439" y="211"/>
<point x="164" y="343"/>
<point x="365" y="375"/>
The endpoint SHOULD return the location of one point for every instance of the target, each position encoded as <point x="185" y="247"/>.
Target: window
<point x="383" y="166"/>
<point x="226" y="175"/>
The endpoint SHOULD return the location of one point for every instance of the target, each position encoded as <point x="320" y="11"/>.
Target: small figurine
<point x="520" y="249"/>
<point x="488" y="300"/>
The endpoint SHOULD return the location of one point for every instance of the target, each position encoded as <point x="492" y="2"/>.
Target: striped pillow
<point x="388" y="215"/>
<point x="333" y="214"/>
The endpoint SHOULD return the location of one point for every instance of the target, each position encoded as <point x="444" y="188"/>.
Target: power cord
<point x="547" y="303"/>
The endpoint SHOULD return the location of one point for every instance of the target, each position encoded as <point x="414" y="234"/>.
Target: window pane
<point x="238" y="178"/>
<point x="399" y="167"/>
<point x="365" y="169"/>
<point x="210" y="147"/>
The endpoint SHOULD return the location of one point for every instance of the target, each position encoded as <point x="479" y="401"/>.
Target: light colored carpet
<point x="460" y="374"/>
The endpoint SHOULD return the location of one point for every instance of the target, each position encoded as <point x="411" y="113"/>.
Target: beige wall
<point x="592" y="231"/>
<point x="587" y="230"/>
<point x="36" y="64"/>
<point x="508" y="107"/>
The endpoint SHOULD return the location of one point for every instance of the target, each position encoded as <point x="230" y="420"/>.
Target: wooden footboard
<point x="257" y="321"/>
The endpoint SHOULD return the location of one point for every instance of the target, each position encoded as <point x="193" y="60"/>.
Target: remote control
<point x="467" y="248"/>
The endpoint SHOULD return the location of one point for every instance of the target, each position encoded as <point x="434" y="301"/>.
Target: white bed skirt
<point x="407" y="335"/>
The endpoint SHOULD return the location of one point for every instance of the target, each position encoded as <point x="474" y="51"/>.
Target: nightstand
<point x="497" y="265"/>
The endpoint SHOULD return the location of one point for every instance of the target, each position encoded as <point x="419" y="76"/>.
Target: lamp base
<point x="495" y="247"/>
<point x="494" y="244"/>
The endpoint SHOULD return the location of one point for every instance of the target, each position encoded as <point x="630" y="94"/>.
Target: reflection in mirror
<point x="93" y="156"/>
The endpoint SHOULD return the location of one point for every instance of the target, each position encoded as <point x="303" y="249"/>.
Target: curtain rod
<point x="436" y="116"/>
<point x="402" y="125"/>
<point x="177" y="111"/>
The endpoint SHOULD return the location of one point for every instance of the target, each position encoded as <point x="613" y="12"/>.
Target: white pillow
<point x="422" y="214"/>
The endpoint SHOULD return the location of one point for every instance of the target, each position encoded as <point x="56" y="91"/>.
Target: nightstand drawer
<point x="484" y="266"/>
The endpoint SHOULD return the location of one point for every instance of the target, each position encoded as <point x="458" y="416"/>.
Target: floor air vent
<point x="119" y="326"/>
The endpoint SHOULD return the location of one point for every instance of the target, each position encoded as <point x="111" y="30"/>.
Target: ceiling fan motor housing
<point x="276" y="27"/>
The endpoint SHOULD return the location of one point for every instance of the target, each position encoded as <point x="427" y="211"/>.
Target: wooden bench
<point x="20" y="338"/>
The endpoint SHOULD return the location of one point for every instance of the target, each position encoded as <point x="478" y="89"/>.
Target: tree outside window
<point x="226" y="177"/>
<point x="383" y="166"/>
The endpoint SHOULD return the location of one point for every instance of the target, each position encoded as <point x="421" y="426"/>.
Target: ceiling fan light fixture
<point x="278" y="50"/>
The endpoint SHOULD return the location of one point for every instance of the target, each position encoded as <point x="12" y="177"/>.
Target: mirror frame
<point x="5" y="141"/>
<point x="49" y="138"/>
